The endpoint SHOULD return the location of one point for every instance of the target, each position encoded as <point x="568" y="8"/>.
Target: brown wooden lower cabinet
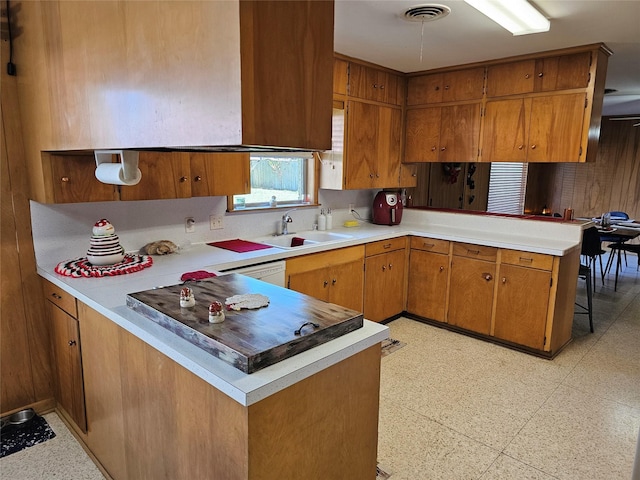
<point x="150" y="418"/>
<point x="428" y="278"/>
<point x="384" y="285"/>
<point x="336" y="276"/>
<point x="523" y="298"/>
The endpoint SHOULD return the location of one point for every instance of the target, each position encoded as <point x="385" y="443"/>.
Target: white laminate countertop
<point x="107" y="295"/>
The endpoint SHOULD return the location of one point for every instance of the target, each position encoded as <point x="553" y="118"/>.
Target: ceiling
<point x="376" y="31"/>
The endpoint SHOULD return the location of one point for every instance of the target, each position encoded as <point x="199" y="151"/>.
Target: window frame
<point x="312" y="188"/>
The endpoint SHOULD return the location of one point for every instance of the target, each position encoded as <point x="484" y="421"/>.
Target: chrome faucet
<point x="286" y="219"/>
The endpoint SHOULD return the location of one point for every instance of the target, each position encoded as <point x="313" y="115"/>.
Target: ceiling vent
<point x="426" y="13"/>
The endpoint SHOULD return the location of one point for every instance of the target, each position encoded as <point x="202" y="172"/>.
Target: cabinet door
<point x="522" y="300"/>
<point x="428" y="275"/>
<point x="347" y="283"/>
<point x="424" y="89"/>
<point x="362" y="145"/>
<point x="563" y="72"/>
<point x="471" y="294"/>
<point x="555" y="131"/>
<point x="461" y="85"/>
<point x="459" y="133"/>
<point x="408" y="175"/>
<point x="340" y="76"/>
<point x="373" y="84"/>
<point x="505" y="130"/>
<point x="165" y="175"/>
<point x="68" y="365"/>
<point x="383" y="290"/>
<point x="315" y="283"/>
<point x="103" y="390"/>
<point x="73" y="179"/>
<point x="219" y="174"/>
<point x="422" y="135"/>
<point x="387" y="173"/>
<point x="511" y="78"/>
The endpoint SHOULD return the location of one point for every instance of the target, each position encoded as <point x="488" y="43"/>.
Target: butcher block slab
<point x="248" y="339"/>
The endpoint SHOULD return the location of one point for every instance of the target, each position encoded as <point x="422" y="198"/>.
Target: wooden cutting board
<point x="247" y="339"/>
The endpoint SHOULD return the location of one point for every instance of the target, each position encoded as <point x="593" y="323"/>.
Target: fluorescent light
<point x="517" y="16"/>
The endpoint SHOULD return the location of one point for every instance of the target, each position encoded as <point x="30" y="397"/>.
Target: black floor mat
<point x="14" y="438"/>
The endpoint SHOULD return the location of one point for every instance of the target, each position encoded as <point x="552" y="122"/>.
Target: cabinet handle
<point x="198" y="178"/>
<point x="390" y="266"/>
<point x="386" y="245"/>
<point x="183" y="179"/>
<point x="487" y="276"/>
<point x="437" y="88"/>
<point x="540" y="75"/>
<point x="72" y="343"/>
<point x="526" y="259"/>
<point x="56" y="296"/>
<point x="65" y="179"/>
<point x="325" y="283"/>
<point x="533" y="147"/>
<point x="504" y="280"/>
<point x="414" y="174"/>
<point x="473" y="252"/>
<point x="375" y="85"/>
<point x="446" y="87"/>
<point x="520" y="147"/>
<point x="442" y="149"/>
<point x="333" y="282"/>
<point x="433" y="149"/>
<point x="381" y="87"/>
<point x="441" y="268"/>
<point x="429" y="245"/>
<point x="384" y="267"/>
<point x="377" y="175"/>
<point x="527" y="76"/>
<point x="371" y="175"/>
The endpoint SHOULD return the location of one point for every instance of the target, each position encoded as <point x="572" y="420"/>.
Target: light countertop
<point x="107" y="294"/>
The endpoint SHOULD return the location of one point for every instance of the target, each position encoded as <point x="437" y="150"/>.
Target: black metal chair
<point x="623" y="247"/>
<point x="585" y="273"/>
<point x="612" y="239"/>
<point x="592" y="248"/>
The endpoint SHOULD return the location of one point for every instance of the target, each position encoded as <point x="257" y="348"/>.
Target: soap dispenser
<point x="322" y="220"/>
<point x="329" y="219"/>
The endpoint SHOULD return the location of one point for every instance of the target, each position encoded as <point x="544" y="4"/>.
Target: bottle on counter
<point x="322" y="220"/>
<point x="329" y="219"/>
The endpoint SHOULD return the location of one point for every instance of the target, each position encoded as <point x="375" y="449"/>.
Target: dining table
<point x="621" y="232"/>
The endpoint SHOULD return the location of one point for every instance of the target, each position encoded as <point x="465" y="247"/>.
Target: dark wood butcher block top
<point x="248" y="339"/>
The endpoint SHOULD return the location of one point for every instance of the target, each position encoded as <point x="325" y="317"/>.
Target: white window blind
<point x="507" y="187"/>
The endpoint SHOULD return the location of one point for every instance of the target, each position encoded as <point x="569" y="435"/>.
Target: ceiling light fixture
<point x="517" y="16"/>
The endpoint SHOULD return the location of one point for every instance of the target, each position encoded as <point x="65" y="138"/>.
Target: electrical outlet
<point x="350" y="207"/>
<point x="189" y="225"/>
<point x="215" y="222"/>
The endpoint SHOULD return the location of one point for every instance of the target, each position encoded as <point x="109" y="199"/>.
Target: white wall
<point x="62" y="231"/>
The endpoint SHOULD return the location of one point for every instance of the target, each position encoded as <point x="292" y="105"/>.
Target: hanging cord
<point x="421" y="39"/>
<point x="11" y="67"/>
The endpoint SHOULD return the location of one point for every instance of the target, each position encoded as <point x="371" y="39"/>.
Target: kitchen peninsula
<point x="197" y="412"/>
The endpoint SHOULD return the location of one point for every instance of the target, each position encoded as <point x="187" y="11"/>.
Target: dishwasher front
<point x="272" y="272"/>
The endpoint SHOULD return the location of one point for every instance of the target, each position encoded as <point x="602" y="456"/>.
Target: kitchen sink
<point x="302" y="239"/>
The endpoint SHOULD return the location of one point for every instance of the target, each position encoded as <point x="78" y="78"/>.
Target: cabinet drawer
<point x="430" y="244"/>
<point x="527" y="259"/>
<point x="475" y="251"/>
<point x="61" y="298"/>
<point x="383" y="246"/>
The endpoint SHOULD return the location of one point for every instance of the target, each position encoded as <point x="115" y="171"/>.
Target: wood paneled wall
<point x="25" y="365"/>
<point x="612" y="182"/>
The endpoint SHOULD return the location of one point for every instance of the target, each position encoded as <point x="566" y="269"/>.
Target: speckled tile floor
<point x="453" y="407"/>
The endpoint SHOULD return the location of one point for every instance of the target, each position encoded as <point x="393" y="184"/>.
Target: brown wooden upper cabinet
<point x="231" y="73"/>
<point x="442" y="134"/>
<point x="455" y="86"/>
<point x="546" y="74"/>
<point x="375" y="84"/>
<point x="73" y="179"/>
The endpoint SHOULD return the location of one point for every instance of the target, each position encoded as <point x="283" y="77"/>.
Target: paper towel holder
<point x="129" y="163"/>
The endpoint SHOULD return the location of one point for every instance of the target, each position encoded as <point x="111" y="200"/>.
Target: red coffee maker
<point x="387" y="208"/>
